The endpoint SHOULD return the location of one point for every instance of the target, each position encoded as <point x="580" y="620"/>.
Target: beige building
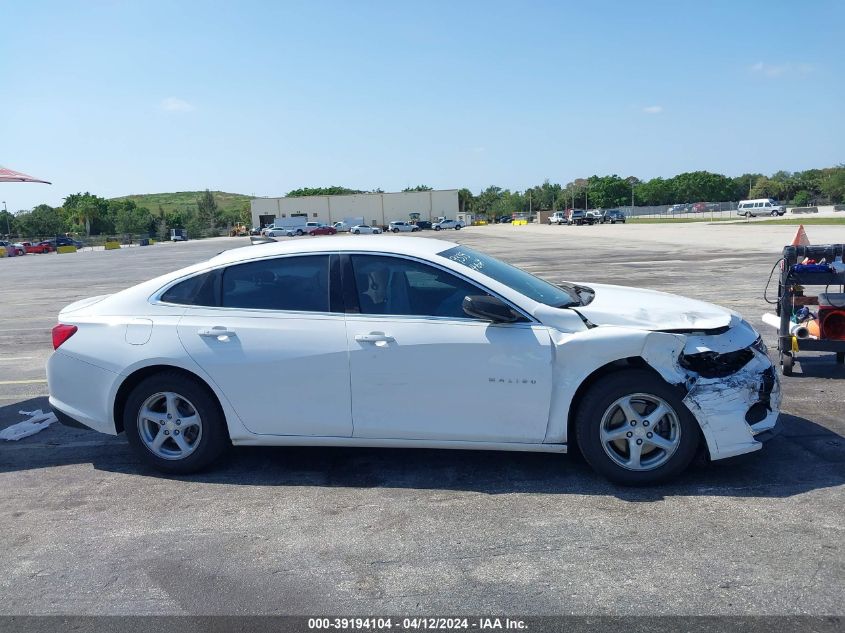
<point x="376" y="208"/>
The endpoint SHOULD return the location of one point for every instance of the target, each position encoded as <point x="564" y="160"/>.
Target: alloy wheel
<point x="169" y="425"/>
<point x="640" y="431"/>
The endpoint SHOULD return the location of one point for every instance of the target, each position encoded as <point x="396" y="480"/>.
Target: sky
<point x="120" y="97"/>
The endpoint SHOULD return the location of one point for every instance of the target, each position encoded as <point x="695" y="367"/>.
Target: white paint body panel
<point x="444" y="379"/>
<point x="430" y="387"/>
<point x="284" y="373"/>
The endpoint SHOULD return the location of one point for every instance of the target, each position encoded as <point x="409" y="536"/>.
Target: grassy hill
<point x="186" y="200"/>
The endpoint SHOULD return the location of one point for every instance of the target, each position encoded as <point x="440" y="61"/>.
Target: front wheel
<point x="748" y="214"/>
<point x="774" y="214"/>
<point x="395" y="230"/>
<point x="356" y="232"/>
<point x="634" y="429"/>
<point x="174" y="423"/>
<point x="458" y="227"/>
<point x="436" y="228"/>
<point x="299" y="232"/>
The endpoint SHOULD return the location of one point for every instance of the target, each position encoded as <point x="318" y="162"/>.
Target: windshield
<point x="521" y="281"/>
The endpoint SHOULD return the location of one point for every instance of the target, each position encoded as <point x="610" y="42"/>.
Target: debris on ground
<point x="37" y="422"/>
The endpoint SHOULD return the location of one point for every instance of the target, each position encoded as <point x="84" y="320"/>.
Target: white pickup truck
<point x="558" y="217"/>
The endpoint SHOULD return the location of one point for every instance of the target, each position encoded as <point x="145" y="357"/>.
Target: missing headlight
<point x="714" y="365"/>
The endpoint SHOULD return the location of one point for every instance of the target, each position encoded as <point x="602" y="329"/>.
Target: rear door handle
<point x="374" y="337"/>
<point x="219" y="332"/>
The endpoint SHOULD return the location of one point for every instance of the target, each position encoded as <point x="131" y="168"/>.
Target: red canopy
<point x="10" y="175"/>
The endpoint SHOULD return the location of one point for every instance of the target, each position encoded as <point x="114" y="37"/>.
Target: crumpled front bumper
<point x="739" y="412"/>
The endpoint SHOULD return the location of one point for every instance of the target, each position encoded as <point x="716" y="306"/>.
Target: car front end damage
<point x="731" y="387"/>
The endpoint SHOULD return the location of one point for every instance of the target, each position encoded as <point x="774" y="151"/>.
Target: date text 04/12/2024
<point x="412" y="623"/>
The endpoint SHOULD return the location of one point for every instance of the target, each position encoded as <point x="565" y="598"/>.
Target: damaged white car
<point x="351" y="333"/>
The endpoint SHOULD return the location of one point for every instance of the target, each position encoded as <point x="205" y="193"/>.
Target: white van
<point x="761" y="206"/>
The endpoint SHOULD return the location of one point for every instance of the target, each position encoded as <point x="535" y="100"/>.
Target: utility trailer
<point x="789" y="345"/>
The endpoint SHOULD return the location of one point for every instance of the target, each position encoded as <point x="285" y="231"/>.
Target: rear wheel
<point x="458" y="227"/>
<point x="395" y="230"/>
<point x="774" y="214"/>
<point x="174" y="423"/>
<point x="634" y="429"/>
<point x="437" y="228"/>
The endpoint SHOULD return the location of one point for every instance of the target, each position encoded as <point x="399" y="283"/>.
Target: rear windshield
<point x="521" y="281"/>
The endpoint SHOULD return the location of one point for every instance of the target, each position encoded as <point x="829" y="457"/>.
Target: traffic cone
<point x="801" y="238"/>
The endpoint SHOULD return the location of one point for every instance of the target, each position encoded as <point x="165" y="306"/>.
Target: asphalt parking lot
<point x="88" y="530"/>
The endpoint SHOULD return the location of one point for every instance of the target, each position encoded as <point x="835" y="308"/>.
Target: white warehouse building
<point x="377" y="209"/>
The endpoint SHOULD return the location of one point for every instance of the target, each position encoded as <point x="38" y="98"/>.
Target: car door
<point x="274" y="342"/>
<point x="421" y="369"/>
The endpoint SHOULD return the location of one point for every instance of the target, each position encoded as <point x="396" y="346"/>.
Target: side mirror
<point x="489" y="308"/>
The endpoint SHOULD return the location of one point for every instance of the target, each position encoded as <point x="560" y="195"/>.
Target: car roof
<point x="415" y="246"/>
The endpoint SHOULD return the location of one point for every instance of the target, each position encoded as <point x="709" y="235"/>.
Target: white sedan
<point x="359" y="229"/>
<point x="637" y="379"/>
<point x="447" y="224"/>
<point x="402" y="227"/>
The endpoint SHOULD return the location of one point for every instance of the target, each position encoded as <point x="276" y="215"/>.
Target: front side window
<point x="392" y="285"/>
<point x="285" y="283"/>
<point x="525" y="283"/>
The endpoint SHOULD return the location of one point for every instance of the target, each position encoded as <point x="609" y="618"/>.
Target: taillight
<point x="61" y="333"/>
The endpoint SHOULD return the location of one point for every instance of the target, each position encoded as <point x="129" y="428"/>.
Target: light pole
<point x="8" y="226"/>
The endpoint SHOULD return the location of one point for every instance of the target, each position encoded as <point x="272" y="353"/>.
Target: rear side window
<point x="196" y="291"/>
<point x="286" y="283"/>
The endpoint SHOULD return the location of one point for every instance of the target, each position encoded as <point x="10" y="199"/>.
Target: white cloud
<point x="655" y="109"/>
<point x="778" y="70"/>
<point x="172" y="104"/>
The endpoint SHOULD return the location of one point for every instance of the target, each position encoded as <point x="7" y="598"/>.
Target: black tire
<point x="214" y="440"/>
<point x="357" y="232"/>
<point x="840" y="357"/>
<point x="395" y="230"/>
<point x="601" y="396"/>
<point x="457" y="227"/>
<point x="787" y="363"/>
<point x="748" y="215"/>
<point x="436" y="228"/>
<point x="774" y="214"/>
<point x="299" y="232"/>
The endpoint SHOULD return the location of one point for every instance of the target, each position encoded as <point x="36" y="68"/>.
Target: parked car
<point x="594" y="216"/>
<point x="363" y="228"/>
<point x="11" y="249"/>
<point x="558" y="217"/>
<point x="423" y="225"/>
<point x="274" y="231"/>
<point x="447" y="224"/>
<point x="402" y="227"/>
<point x="760" y="206"/>
<point x="40" y="247"/>
<point x="256" y="230"/>
<point x="579" y="217"/>
<point x="612" y="216"/>
<point x="678" y="208"/>
<point x="505" y="219"/>
<point x="323" y="229"/>
<point x="342" y="227"/>
<point x="699" y="207"/>
<point x="642" y="389"/>
<point x="63" y="241"/>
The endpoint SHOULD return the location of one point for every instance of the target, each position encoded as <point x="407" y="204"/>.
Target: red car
<point x="323" y="229"/>
<point x="41" y="247"/>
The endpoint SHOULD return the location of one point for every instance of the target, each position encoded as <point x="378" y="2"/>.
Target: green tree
<point x="84" y="209"/>
<point x="418" y="188"/>
<point x="833" y="184"/>
<point x="465" y="200"/>
<point x="130" y="218"/>
<point x="322" y="191"/>
<point x="801" y="198"/>
<point x="207" y="212"/>
<point x="42" y="221"/>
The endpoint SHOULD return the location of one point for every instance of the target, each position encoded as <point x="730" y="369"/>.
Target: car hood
<point x="651" y="310"/>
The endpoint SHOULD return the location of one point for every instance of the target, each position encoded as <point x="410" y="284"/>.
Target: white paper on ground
<point x="37" y="422"/>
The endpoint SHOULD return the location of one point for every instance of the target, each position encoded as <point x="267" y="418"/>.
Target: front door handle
<point x="374" y="337"/>
<point x="221" y="333"/>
